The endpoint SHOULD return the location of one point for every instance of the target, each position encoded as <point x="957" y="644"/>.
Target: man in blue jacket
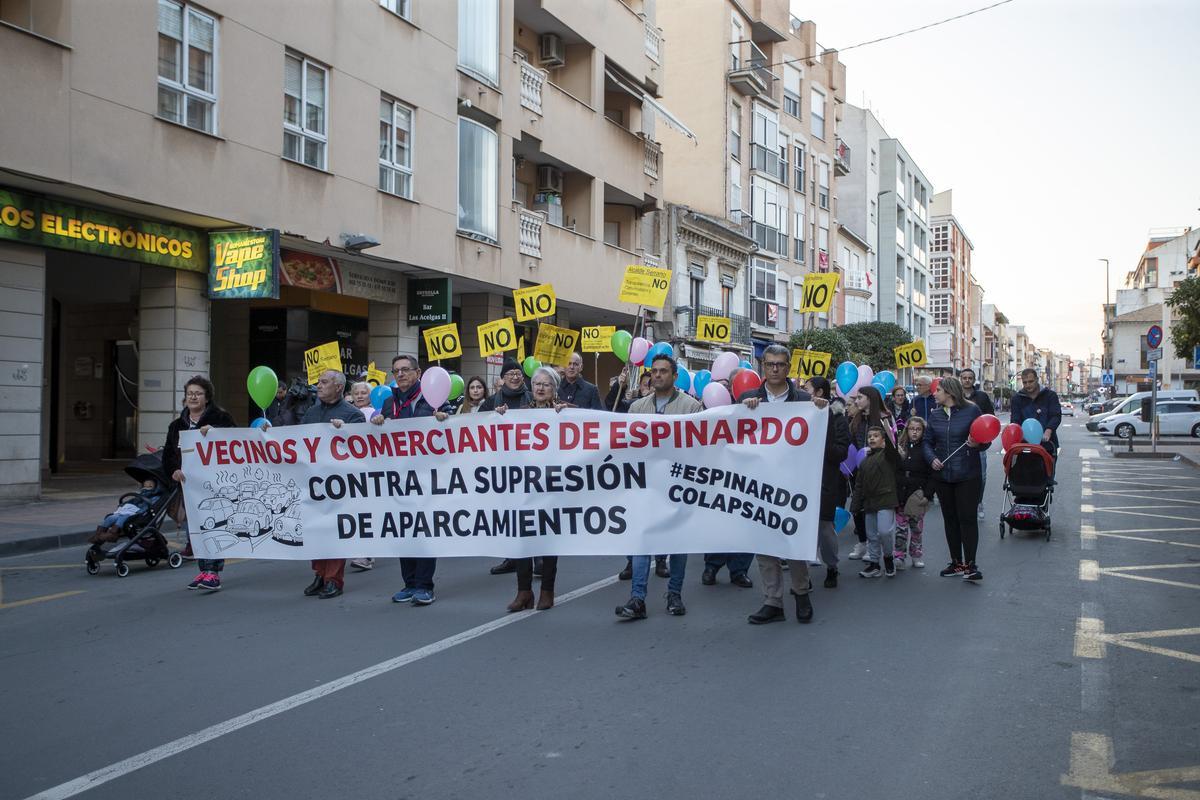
<point x="1036" y="402"/>
<point x="576" y="390"/>
<point x="923" y="404"/>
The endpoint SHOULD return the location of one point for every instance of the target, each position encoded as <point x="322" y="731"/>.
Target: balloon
<point x="985" y="428"/>
<point x="620" y="344"/>
<point x="841" y="517"/>
<point x="744" y="364"/>
<point x="637" y="350"/>
<point x="660" y="349"/>
<point x="262" y="385"/>
<point x="886" y="380"/>
<point x="683" y="381"/>
<point x="530" y="365"/>
<point x="258" y="423"/>
<point x="1033" y="431"/>
<point x="716" y="395"/>
<point x="723" y="365"/>
<point x="435" y="386"/>
<point x="865" y="374"/>
<point x="1011" y="436"/>
<point x="847" y="471"/>
<point x="745" y="381"/>
<point x="846" y="376"/>
<point x="391" y="384"/>
<point x="699" y="381"/>
<point x="379" y="395"/>
<point x="851" y="453"/>
<point x="934" y="384"/>
<point x="861" y="456"/>
<point x="456" y="386"/>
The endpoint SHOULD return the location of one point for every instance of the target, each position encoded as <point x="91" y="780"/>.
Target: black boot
<point x="314" y="588"/>
<point x="504" y="567"/>
<point x="831" y="578"/>
<point x="661" y="569"/>
<point x="627" y="573"/>
<point x="804" y="609"/>
<point x="766" y="614"/>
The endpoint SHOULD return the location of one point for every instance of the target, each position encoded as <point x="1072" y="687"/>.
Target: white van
<point x="1133" y="403"/>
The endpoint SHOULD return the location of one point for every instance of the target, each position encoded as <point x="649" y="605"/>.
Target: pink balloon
<point x="435" y="387"/>
<point x="716" y="395"/>
<point x="865" y="374"/>
<point x="723" y="365"/>
<point x="637" y="350"/>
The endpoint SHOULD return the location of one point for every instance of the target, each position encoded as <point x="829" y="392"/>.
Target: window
<point x="817" y="114"/>
<point x="187" y="66"/>
<point x="726" y="300"/>
<point x="612" y="233"/>
<point x="764" y="137"/>
<point x="401" y="8"/>
<point x="479" y="39"/>
<point x="478" y="179"/>
<point x="941" y="237"/>
<point x="696" y="294"/>
<point x="395" y="147"/>
<point x="305" y="105"/>
<point x="941" y="273"/>
<point x="735" y="190"/>
<point x="735" y="45"/>
<point x="798" y="168"/>
<point x="872" y="212"/>
<point x="940" y="308"/>
<point x="791" y="90"/>
<point x="900" y="183"/>
<point x="763" y="292"/>
<point x="764" y="208"/>
<point x="784" y="150"/>
<point x="735" y="131"/>
<point x="823" y="184"/>
<point x="798" y="234"/>
<point x="823" y="236"/>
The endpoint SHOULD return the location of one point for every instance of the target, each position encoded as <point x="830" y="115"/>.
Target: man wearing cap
<point x="512" y="394"/>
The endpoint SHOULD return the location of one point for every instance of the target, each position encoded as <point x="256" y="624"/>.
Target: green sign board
<point x="428" y="301"/>
<point x="243" y="264"/>
<point x="49" y="222"/>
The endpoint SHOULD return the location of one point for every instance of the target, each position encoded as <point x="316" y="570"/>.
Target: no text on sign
<point x="535" y="302"/>
<point x="320" y="358"/>
<point x="714" y="329"/>
<point x="645" y="286"/>
<point x="910" y="355"/>
<point x="1154" y="336"/>
<point x="809" y="363"/>
<point x="496" y="337"/>
<point x="443" y="342"/>
<point x="597" y="338"/>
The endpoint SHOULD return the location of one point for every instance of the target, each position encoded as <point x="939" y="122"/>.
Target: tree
<point x="1185" y="331"/>
<point x="823" y="340"/>
<point x="873" y="342"/>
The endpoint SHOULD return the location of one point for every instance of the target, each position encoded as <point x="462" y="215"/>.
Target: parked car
<point x="1068" y="409"/>
<point x="251" y="519"/>
<point x="1175" y="418"/>
<point x="1133" y="403"/>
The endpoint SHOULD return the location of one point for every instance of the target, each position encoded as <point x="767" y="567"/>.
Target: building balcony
<point x="532" y="80"/>
<point x="654" y="43"/>
<point x="918" y="253"/>
<point x="685" y="326"/>
<point x="841" y="158"/>
<point x="767" y="162"/>
<point x="529" y="234"/>
<point x="855" y="283"/>
<point x="751" y="76"/>
<point x="653" y="159"/>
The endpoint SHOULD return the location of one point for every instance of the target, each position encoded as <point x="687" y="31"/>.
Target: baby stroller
<point x="1028" y="489"/>
<point x="140" y="535"/>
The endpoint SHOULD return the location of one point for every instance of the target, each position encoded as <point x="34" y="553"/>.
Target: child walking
<point x="912" y="494"/>
<point x="875" y="498"/>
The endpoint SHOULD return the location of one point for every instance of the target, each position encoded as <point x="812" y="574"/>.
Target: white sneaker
<point x="901" y="562"/>
<point x="981" y="515"/>
<point x="858" y="551"/>
<point x="918" y="563"/>
<point x="363" y="564"/>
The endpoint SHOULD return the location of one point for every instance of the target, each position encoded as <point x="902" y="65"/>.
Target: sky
<point x="1066" y="128"/>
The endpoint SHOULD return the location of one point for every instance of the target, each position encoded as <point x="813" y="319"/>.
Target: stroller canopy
<point x="1028" y="453"/>
<point x="147" y="467"/>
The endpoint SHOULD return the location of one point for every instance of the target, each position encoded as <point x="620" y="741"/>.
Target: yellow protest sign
<point x="809" y="363"/>
<point x="320" y="358"/>
<point x="818" y="291"/>
<point x="442" y="342"/>
<point x="521" y="349"/>
<point x="597" y="338"/>
<point x="714" y="329"/>
<point x="535" y="302"/>
<point x="554" y="345"/>
<point x="496" y="337"/>
<point x="646" y="286"/>
<point x="911" y="355"/>
<point x="376" y="377"/>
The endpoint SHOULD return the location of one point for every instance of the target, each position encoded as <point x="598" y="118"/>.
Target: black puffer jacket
<point x="943" y="439"/>
<point x="833" y="484"/>
<point x="521" y="398"/>
<point x="914" y="473"/>
<point x="213" y="416"/>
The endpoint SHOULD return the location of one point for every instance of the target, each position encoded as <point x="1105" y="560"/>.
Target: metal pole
<point x="1154" y="409"/>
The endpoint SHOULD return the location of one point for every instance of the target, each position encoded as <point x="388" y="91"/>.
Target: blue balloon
<point x="700" y="380"/>
<point x="840" y="517"/>
<point x="1033" y="431"/>
<point x="886" y="380"/>
<point x="258" y="423"/>
<point x="683" y="381"/>
<point x="378" y="395"/>
<point x="661" y="348"/>
<point x="746" y="364"/>
<point x="846" y="376"/>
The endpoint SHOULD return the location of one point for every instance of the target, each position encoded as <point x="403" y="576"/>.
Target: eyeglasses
<point x="403" y="370"/>
<point x="775" y="365"/>
<point x="194" y="395"/>
<point x="513" y="373"/>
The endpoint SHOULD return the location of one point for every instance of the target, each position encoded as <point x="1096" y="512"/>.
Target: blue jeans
<point x="881" y="534"/>
<point x="641" y="575"/>
<point x="738" y="563"/>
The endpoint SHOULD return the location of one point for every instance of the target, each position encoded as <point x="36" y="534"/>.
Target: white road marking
<point x="1144" y="514"/>
<point x="1089" y="570"/>
<point x="1089" y="638"/>
<point x="1089" y="452"/>
<point x="1155" y="530"/>
<point x="1145" y="497"/>
<point x="1146" y="539"/>
<point x="121" y="768"/>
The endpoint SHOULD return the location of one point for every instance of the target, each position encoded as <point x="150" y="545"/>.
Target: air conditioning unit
<point x="551" y="50"/>
<point x="549" y="179"/>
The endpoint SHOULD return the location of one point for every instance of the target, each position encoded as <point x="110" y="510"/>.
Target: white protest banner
<point x="529" y="482"/>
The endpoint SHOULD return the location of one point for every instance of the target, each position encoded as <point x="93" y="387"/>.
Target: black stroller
<point x="1028" y="489"/>
<point x="140" y="536"/>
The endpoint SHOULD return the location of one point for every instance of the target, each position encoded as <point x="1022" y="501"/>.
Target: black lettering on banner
<point x="717" y="330"/>
<point x="499" y="339"/>
<point x="537" y="305"/>
<point x="446" y="343"/>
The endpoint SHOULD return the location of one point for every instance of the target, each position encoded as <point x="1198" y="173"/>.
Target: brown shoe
<point x="522" y="602"/>
<point x="545" y="599"/>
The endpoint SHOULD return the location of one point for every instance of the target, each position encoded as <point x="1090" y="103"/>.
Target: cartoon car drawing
<point x="276" y="498"/>
<point x="228" y="492"/>
<point x="288" y="530"/>
<point x="247" y="490"/>
<point x="251" y="519"/>
<point x="217" y="511"/>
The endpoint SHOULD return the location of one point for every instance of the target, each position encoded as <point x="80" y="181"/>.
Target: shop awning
<point x="666" y="116"/>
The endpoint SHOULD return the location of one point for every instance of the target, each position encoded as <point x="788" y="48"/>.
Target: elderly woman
<point x="545" y="396"/>
<point x="360" y="397"/>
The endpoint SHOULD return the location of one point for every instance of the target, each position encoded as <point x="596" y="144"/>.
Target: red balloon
<point x="986" y="428"/>
<point x="1012" y="436"/>
<point x="745" y="381"/>
<point x="934" y="384"/>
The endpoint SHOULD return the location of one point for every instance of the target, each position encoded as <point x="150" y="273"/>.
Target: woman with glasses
<point x="199" y="413"/>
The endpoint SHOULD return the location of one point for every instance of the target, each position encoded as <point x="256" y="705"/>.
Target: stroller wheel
<point x="1047" y="533"/>
<point x="122" y="569"/>
<point x="92" y="567"/>
<point x="1002" y="529"/>
<point x="151" y="562"/>
<point x="175" y="561"/>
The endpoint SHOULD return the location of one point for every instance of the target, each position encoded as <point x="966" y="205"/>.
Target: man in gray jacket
<point x="666" y="399"/>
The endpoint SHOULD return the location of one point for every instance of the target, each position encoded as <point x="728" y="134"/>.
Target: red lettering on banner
<point x="541" y="436"/>
<point x="721" y="433"/>
<point x="591" y="436"/>
<point x="205" y="453"/>
<point x="311" y="445"/>
<point x="338" y="453"/>
<point x="796" y="438"/>
<point x="568" y="436"/>
<point x="746" y="431"/>
<point x="660" y="431"/>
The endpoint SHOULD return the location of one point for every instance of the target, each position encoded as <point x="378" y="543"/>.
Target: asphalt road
<point x="919" y="687"/>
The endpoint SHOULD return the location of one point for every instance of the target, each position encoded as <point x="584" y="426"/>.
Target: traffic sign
<point x="1106" y="378"/>
<point x="1154" y="355"/>
<point x="1153" y="371"/>
<point x="1154" y="336"/>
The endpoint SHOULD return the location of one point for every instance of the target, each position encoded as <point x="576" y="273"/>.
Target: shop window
<point x="305" y="107"/>
<point x="187" y="66"/>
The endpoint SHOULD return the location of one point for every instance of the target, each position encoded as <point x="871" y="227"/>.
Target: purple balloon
<point x="861" y="456"/>
<point x="845" y="470"/>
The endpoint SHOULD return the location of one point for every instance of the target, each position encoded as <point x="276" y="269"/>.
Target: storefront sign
<point x="535" y="302"/>
<point x="597" y="338"/>
<point x="49" y="222"/>
<point x="244" y="264"/>
<point x="645" y="286"/>
<point x="322" y="274"/>
<point x="443" y="342"/>
<point x="428" y="301"/>
<point x="320" y="358"/>
<point x="554" y="345"/>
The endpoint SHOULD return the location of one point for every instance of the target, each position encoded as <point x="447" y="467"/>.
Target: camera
<point x="300" y="390"/>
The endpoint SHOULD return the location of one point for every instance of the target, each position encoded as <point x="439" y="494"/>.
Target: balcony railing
<point x="841" y="158"/>
<point x="855" y="280"/>
<point x="530" y="236"/>
<point x="740" y="333"/>
<point x="532" y="80"/>
<point x="769" y="163"/>
<point x="769" y="239"/>
<point x="653" y="43"/>
<point x="652" y="158"/>
<point x="752" y="76"/>
<point x="900" y="292"/>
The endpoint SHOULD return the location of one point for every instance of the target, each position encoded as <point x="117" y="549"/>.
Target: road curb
<point x="37" y="544"/>
<point x="1136" y="454"/>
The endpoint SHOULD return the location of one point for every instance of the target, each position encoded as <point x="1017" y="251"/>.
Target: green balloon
<point x="530" y="364"/>
<point x="456" y="386"/>
<point x="262" y="385"/>
<point x="620" y="344"/>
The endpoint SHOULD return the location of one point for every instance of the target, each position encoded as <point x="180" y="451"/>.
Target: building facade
<point x="952" y="326"/>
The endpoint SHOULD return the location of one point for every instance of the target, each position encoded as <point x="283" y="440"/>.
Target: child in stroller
<point x="137" y="520"/>
<point x="1028" y="489"/>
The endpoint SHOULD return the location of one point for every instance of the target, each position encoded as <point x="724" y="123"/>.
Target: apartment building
<point x="764" y="101"/>
<point x="952" y="327"/>
<point x="857" y="284"/>
<point x="397" y="164"/>
<point x="995" y="369"/>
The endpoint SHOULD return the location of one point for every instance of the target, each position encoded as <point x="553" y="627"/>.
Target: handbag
<point x="917" y="504"/>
